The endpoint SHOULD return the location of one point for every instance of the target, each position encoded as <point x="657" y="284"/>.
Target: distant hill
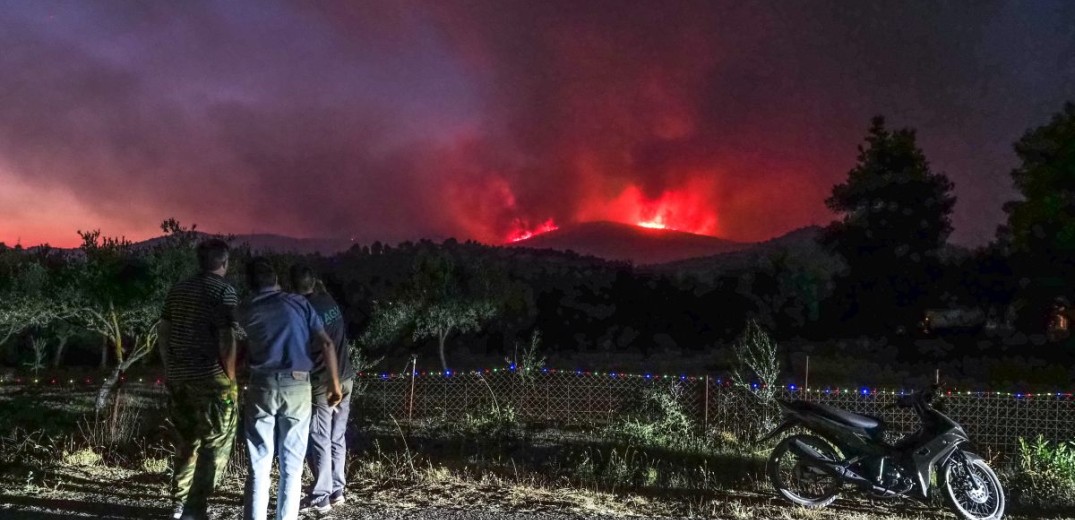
<point x="285" y="244"/>
<point x="624" y="242"/>
<point x="259" y="243"/>
<point x="800" y="243"/>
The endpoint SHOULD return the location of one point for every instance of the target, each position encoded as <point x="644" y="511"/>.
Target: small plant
<point x="757" y="367"/>
<point x="530" y="364"/>
<point x="361" y="362"/>
<point x="585" y="470"/>
<point x="661" y="421"/>
<point x="157" y="466"/>
<point x="1046" y="474"/>
<point x="1043" y="457"/>
<point x="39" y="348"/>
<point x="83" y="458"/>
<point x="490" y="422"/>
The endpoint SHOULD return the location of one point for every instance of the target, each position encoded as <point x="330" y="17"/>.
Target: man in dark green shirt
<point x="327" y="451"/>
<point x="197" y="344"/>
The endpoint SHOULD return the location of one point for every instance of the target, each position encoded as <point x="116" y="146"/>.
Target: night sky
<point x="399" y="120"/>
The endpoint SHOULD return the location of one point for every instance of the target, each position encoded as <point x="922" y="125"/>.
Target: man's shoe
<point x="177" y="511"/>
<point x="320" y="505"/>
<point x="336" y="498"/>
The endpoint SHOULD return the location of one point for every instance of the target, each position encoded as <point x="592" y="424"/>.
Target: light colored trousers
<point x="276" y="417"/>
<point x="327" y="454"/>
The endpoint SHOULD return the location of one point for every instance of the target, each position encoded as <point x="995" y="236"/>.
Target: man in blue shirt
<point x="280" y="329"/>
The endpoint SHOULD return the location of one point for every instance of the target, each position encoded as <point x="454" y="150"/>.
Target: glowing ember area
<point x="653" y="224"/>
<point x="689" y="208"/>
<point x="519" y="232"/>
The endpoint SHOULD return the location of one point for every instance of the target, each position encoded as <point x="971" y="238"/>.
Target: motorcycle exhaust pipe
<point x="835" y="468"/>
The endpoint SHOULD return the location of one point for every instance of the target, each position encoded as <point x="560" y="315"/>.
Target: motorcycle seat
<point x="841" y="416"/>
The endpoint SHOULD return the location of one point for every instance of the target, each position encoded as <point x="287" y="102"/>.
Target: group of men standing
<point x="297" y="398"/>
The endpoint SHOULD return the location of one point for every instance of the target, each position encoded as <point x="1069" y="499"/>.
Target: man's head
<point x="213" y="256"/>
<point x="302" y="279"/>
<point x="260" y="274"/>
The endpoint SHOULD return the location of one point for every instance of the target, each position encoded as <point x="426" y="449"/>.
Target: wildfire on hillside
<point x="688" y="209"/>
<point x="520" y="232"/>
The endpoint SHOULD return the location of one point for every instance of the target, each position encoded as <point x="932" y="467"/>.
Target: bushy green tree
<point x="894" y="218"/>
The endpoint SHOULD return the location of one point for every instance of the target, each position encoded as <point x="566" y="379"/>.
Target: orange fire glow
<point x="520" y="232"/>
<point x="688" y="209"/>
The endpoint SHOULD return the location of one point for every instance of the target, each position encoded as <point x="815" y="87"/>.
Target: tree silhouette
<point x="894" y="218"/>
<point x="1040" y="231"/>
<point x="437" y="303"/>
<point x="1043" y="222"/>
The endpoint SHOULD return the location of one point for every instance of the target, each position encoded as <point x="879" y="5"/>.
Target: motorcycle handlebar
<point x="924" y="396"/>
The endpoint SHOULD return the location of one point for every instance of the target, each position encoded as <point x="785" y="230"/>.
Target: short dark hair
<point x="212" y="254"/>
<point x="302" y="278"/>
<point x="260" y="274"/>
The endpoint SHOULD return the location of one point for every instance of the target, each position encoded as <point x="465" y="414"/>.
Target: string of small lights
<point x="19" y="380"/>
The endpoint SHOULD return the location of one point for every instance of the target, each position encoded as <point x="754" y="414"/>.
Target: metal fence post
<point x="705" y="410"/>
<point x="384" y="397"/>
<point x="608" y="419"/>
<point x="410" y="405"/>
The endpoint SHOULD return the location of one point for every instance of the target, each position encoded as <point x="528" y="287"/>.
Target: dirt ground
<point x="109" y="493"/>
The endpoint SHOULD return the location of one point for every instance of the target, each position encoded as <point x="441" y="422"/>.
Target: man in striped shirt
<point x="197" y="344"/>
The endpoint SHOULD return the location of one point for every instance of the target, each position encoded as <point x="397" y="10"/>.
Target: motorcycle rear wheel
<point x="973" y="497"/>
<point x="796" y="480"/>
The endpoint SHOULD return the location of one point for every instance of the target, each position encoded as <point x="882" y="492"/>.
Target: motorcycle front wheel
<point x="972" y="489"/>
<point x="796" y="479"/>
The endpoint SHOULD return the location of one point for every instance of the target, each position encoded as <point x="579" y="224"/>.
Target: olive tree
<point x="440" y="300"/>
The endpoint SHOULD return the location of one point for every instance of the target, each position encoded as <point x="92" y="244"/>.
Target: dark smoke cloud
<point x="393" y="120"/>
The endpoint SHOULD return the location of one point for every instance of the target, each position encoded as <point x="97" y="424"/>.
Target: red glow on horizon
<point x="519" y="232"/>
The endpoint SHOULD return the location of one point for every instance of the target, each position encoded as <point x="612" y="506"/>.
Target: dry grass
<point x="82" y="458"/>
<point x="589" y="481"/>
<point x="379" y="486"/>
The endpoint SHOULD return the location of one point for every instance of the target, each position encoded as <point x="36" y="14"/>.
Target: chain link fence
<point x="994" y="422"/>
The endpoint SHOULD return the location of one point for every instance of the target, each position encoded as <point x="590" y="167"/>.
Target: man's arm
<point x="164" y="335"/>
<point x="328" y="349"/>
<point x="228" y="349"/>
<point x="226" y="324"/>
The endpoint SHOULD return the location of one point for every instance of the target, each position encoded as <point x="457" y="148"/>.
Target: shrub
<point x="660" y="421"/>
<point x="158" y="466"/>
<point x="83" y="458"/>
<point x="756" y="369"/>
<point x="1045" y="477"/>
<point x="489" y="422"/>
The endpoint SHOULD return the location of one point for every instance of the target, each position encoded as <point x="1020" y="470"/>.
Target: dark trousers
<point x="204" y="415"/>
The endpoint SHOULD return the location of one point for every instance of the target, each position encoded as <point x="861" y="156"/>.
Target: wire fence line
<point x="574" y="399"/>
<point x="994" y="421"/>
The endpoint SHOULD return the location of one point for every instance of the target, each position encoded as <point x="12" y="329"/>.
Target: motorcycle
<point x="848" y="448"/>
